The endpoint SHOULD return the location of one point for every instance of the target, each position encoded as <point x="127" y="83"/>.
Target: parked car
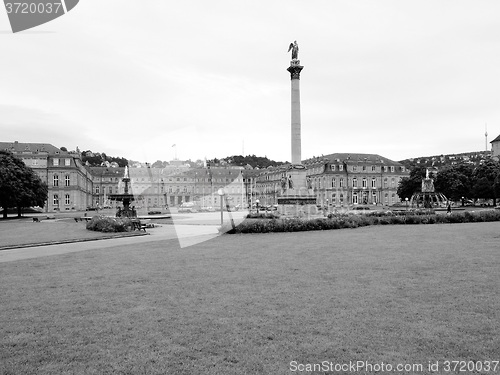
<point x="207" y="209"/>
<point x="188" y="207"/>
<point x="357" y="210"/>
<point x="154" y="212"/>
<point x="92" y="208"/>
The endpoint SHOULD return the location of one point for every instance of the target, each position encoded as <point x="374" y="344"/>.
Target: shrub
<point x="263" y="215"/>
<point x="109" y="224"/>
<point x="340" y="221"/>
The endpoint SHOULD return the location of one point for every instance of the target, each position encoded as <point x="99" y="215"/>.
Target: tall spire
<point x="486" y="137"/>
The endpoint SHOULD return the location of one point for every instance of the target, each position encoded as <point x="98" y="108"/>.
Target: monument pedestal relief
<point x="297" y="198"/>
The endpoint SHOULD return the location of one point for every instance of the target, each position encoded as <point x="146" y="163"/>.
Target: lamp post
<point x="406" y="199"/>
<point x="221" y="195"/>
<point x="257" y="205"/>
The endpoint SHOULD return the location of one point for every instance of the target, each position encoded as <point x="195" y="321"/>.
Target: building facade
<point x="495" y="148"/>
<point x="340" y="180"/>
<point x="69" y="181"/>
<point x="337" y="180"/>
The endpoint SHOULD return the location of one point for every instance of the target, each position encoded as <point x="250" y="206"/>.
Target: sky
<point x="396" y="78"/>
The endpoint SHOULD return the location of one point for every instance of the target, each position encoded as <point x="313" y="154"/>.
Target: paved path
<point x="186" y="234"/>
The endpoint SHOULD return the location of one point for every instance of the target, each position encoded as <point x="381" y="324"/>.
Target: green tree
<point x="486" y="181"/>
<point x="455" y="181"/>
<point x="20" y="186"/>
<point x="411" y="184"/>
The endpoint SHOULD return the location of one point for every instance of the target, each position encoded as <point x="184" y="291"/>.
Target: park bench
<point x="138" y="225"/>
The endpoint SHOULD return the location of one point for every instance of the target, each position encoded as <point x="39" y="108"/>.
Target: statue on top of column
<point x="294" y="47"/>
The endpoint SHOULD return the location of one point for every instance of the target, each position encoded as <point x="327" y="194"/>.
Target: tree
<point x="455" y="181"/>
<point x="486" y="181"/>
<point x="20" y="186"/>
<point x="412" y="184"/>
<point x="159" y="164"/>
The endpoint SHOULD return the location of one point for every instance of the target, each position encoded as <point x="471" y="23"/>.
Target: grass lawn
<point x="16" y="232"/>
<point x="251" y="304"/>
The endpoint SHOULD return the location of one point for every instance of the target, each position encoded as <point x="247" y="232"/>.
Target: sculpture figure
<point x="290" y="182"/>
<point x="309" y="182"/>
<point x="284" y="184"/>
<point x="295" y="50"/>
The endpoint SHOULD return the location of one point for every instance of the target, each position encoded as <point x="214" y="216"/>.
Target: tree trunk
<point x="19" y="211"/>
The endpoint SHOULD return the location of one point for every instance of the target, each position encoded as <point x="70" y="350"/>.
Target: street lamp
<point x="221" y="193"/>
<point x="406" y="199"/>
<point x="257" y="205"/>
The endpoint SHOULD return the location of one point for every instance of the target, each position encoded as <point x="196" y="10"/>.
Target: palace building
<point x="341" y="179"/>
<point x="68" y="180"/>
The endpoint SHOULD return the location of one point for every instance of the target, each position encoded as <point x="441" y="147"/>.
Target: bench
<point x="138" y="225"/>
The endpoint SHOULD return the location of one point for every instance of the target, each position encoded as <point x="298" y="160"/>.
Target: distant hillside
<point x="96" y="159"/>
<point x="444" y="160"/>
<point x="242" y="161"/>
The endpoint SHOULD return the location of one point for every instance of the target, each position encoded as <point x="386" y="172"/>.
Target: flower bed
<point x="109" y="224"/>
<point x="340" y="221"/>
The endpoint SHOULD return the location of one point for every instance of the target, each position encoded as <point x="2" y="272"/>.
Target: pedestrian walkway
<point x="187" y="235"/>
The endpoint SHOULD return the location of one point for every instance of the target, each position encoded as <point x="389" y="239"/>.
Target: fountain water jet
<point x="126" y="197"/>
<point x="428" y="197"/>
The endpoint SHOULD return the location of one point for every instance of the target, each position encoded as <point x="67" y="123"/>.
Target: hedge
<point x="266" y="224"/>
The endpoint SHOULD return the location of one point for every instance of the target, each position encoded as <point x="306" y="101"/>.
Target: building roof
<point x="107" y="171"/>
<point x="353" y="157"/>
<point x="17" y="147"/>
<point x="497" y="139"/>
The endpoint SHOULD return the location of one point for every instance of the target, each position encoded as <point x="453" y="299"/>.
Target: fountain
<point x="428" y="197"/>
<point x="125" y="197"/>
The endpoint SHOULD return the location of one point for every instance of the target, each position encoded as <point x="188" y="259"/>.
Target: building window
<point x="56" y="180"/>
<point x="365" y="183"/>
<point x="97" y="189"/>
<point x="55" y="162"/>
<point x="334" y="182"/>
<point x="355" y="182"/>
<point x="392" y="183"/>
<point x="354" y="168"/>
<point x="392" y="168"/>
<point x="374" y="183"/>
<point x="385" y="168"/>
<point x="66" y="180"/>
<point x="110" y="190"/>
<point x="341" y="167"/>
<point x="402" y="169"/>
<point x="373" y="168"/>
<point x="67" y="162"/>
<point x="35" y="161"/>
<point x="66" y="199"/>
<point x="364" y="168"/>
<point x="332" y="167"/>
<point x="341" y="182"/>
<point x="56" y="200"/>
<point x="385" y="182"/>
